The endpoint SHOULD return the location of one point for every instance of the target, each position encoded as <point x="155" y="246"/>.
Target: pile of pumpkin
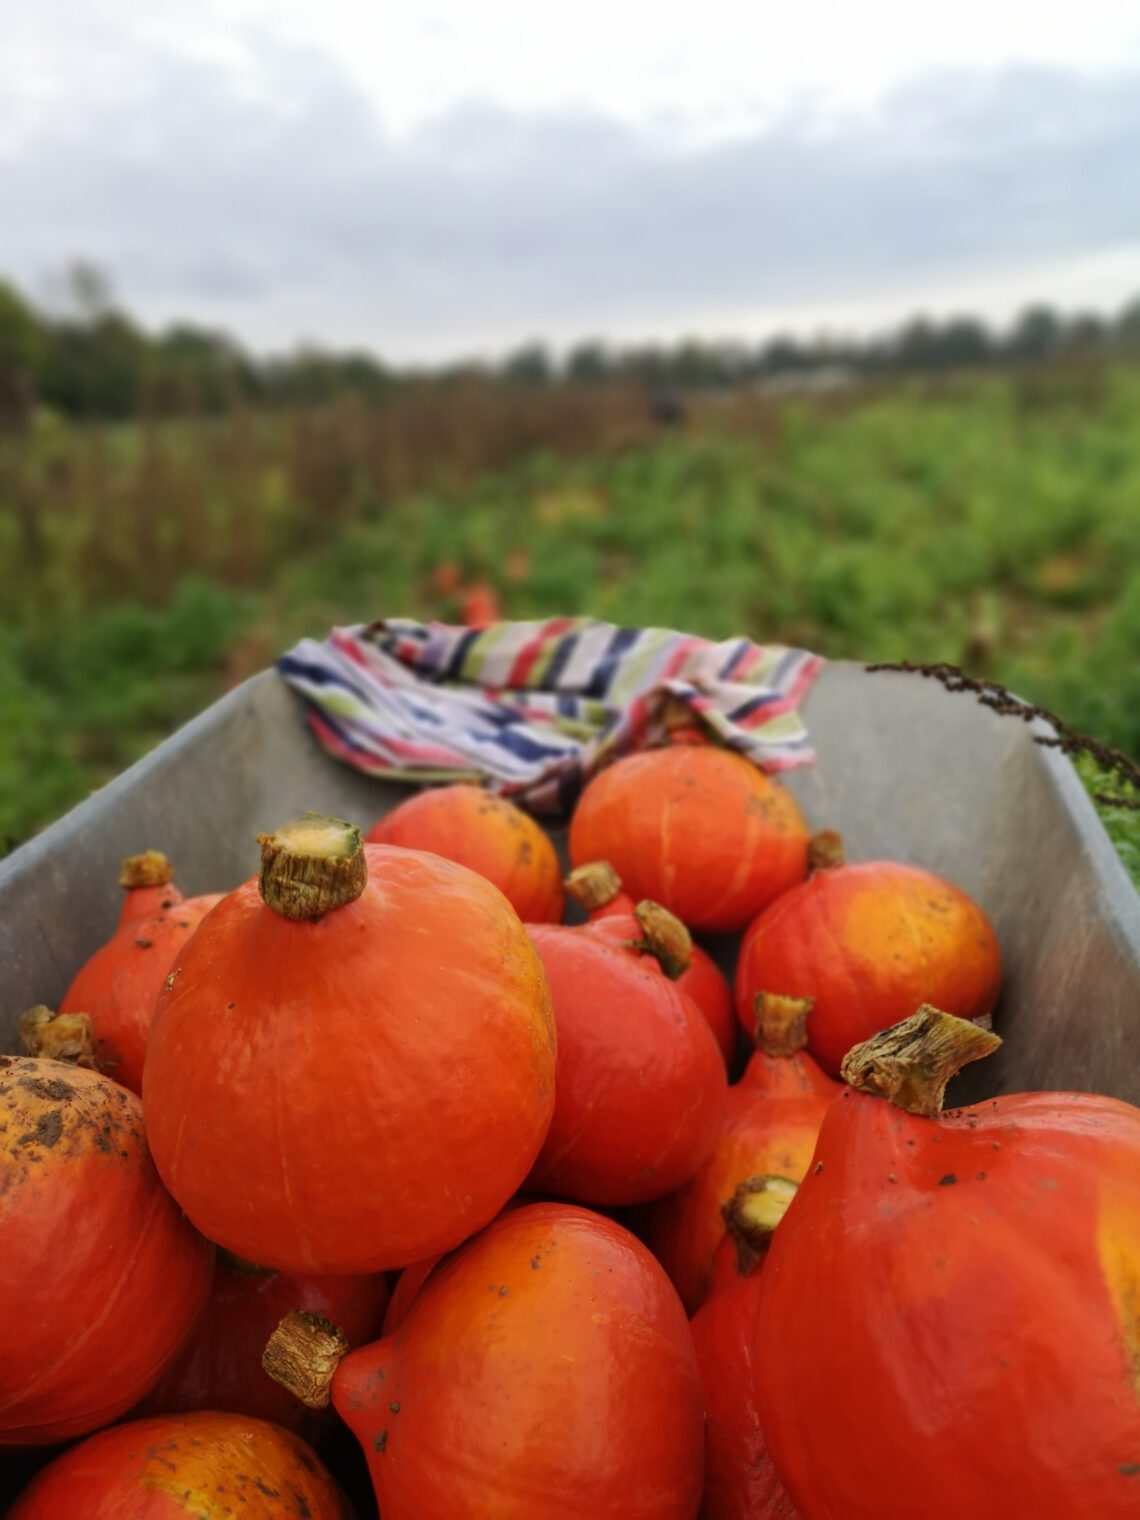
<point x="392" y="1056"/>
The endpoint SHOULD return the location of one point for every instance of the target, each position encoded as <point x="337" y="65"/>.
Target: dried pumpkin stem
<point x="664" y="937"/>
<point x="781" y="1022"/>
<point x="593" y="885"/>
<point x="58" y="1037"/>
<point x="825" y="851"/>
<point x="150" y="869"/>
<point x="303" y="1354"/>
<point x="911" y="1063"/>
<point x="752" y="1214"/>
<point x="311" y="866"/>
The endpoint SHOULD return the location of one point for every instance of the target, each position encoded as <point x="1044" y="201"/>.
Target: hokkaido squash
<point x="949" y="1315"/>
<point x="696" y="828"/>
<point x="740" y="1481"/>
<point x="487" y="834"/>
<point x="352" y="1067"/>
<point x="119" y="986"/>
<point x="176" y="1466"/>
<point x="770" y="1125"/>
<point x="597" y="888"/>
<point x="640" y="1084"/>
<point x="101" y="1277"/>
<point x="220" y="1365"/>
<point x="868" y="944"/>
<point x="546" y="1368"/>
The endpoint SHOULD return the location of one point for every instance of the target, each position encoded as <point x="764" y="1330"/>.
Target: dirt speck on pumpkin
<point x="53" y="1089"/>
<point x="48" y="1129"/>
<point x="948" y="1180"/>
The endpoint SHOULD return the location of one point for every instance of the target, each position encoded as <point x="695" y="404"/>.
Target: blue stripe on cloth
<point x="624" y="639"/>
<point x="558" y="663"/>
<point x="754" y="704"/>
<point x="458" y="655"/>
<point x="319" y="675"/>
<point x="735" y="655"/>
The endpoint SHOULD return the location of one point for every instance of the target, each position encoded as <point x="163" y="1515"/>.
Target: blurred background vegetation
<point x="174" y="513"/>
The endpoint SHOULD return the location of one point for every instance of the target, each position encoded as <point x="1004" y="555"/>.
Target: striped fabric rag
<point x="532" y="709"/>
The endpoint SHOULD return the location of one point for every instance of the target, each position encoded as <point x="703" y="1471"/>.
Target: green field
<point x="990" y="522"/>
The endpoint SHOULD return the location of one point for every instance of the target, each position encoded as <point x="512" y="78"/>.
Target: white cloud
<point x="242" y="173"/>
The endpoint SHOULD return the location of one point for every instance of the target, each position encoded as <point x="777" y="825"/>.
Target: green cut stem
<point x="911" y="1063"/>
<point x="312" y="866"/>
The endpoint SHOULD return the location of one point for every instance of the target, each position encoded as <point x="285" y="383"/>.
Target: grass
<point x="990" y="522"/>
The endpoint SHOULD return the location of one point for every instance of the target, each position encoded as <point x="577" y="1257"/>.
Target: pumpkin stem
<point x="303" y="1354"/>
<point x="665" y="937"/>
<point x="781" y="1022"/>
<point x="825" y="851"/>
<point x="58" y="1036"/>
<point x="911" y="1063"/>
<point x="311" y="866"/>
<point x="150" y="869"/>
<point x="752" y="1214"/>
<point x="594" y="885"/>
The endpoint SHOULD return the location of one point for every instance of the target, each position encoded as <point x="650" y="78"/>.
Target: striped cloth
<point x="532" y="709"/>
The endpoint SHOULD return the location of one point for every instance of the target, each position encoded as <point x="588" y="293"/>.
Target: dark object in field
<point x="667" y="408"/>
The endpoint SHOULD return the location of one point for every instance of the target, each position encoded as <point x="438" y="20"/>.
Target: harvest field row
<point x="991" y="522"/>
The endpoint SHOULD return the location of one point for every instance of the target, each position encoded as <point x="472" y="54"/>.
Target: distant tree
<point x="529" y="365"/>
<point x="1085" y="332"/>
<point x="1128" y="326"/>
<point x="21" y="351"/>
<point x="962" y="341"/>
<point x="588" y="363"/>
<point x="1036" y="335"/>
<point x="782" y="355"/>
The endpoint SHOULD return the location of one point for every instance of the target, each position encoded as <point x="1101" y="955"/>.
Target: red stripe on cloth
<point x="675" y="661"/>
<point x="351" y="754"/>
<point x="527" y="656"/>
<point x="348" y="645"/>
<point x="408" y="749"/>
<point x="789" y="702"/>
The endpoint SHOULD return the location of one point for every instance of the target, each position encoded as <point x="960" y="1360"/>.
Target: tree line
<point x="91" y="359"/>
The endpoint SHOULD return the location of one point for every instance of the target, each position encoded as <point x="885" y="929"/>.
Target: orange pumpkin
<point x="868" y="944"/>
<point x="119" y="986"/>
<point x="949" y="1314"/>
<point x="640" y="1082"/>
<point x="740" y="1481"/>
<point x="175" y="1466"/>
<point x="696" y="828"/>
<point x="353" y="1066"/>
<point x="614" y="915"/>
<point x="101" y="1277"/>
<point x="487" y="834"/>
<point x="545" y="1368"/>
<point x="770" y="1125"/>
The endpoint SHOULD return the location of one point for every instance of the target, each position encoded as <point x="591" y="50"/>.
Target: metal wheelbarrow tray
<point x="905" y="770"/>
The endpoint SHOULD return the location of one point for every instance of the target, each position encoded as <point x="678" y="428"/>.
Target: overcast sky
<point x="429" y="180"/>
